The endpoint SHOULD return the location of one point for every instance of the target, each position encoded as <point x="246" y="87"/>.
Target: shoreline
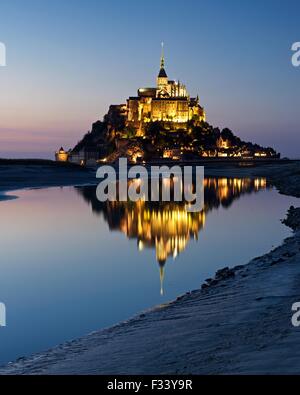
<point x="215" y="328"/>
<point x="21" y="176"/>
<point x="48" y="174"/>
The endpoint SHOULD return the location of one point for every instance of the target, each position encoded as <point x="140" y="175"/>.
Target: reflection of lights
<point x="222" y="182"/>
<point x="168" y="230"/>
<point x="260" y="183"/>
<point x="137" y="181"/>
<point x="141" y="245"/>
<point x="167" y="227"/>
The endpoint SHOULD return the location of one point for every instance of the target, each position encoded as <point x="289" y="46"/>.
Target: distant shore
<point x="238" y="322"/>
<point x="37" y="173"/>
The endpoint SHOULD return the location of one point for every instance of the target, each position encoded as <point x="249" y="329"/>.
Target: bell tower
<point x="162" y="79"/>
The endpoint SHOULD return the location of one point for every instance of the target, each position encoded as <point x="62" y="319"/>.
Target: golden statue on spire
<point x="162" y="59"/>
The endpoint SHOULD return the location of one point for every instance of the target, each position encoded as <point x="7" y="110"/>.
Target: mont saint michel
<point x="160" y="123"/>
<point x="149" y="192"/>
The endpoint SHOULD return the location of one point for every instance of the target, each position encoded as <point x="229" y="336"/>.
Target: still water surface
<point x="71" y="265"/>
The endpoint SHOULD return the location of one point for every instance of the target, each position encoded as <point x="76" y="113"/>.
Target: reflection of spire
<point x="162" y="276"/>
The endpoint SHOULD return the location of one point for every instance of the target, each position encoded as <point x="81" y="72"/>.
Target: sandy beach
<point x="238" y="322"/>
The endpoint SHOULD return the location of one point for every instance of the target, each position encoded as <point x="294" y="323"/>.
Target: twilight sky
<point x="67" y="61"/>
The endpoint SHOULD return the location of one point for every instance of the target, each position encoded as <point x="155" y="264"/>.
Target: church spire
<point x="162" y="59"/>
<point x="162" y="71"/>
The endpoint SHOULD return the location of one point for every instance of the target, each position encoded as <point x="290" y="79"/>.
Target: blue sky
<point x="67" y="61"/>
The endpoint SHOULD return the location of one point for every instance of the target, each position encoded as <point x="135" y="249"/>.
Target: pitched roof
<point x="162" y="73"/>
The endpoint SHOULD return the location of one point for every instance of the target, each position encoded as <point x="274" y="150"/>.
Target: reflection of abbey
<point x="169" y="102"/>
<point x="167" y="227"/>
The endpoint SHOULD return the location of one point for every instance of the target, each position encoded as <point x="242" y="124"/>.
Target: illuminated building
<point x="62" y="155"/>
<point x="169" y="103"/>
<point x="222" y="143"/>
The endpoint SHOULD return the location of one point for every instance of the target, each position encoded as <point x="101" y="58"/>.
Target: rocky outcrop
<point x="293" y="218"/>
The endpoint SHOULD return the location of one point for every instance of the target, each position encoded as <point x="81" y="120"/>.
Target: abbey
<point x="169" y="103"/>
<point x="160" y="123"/>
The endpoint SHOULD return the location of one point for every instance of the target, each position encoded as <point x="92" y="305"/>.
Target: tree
<point x="227" y="134"/>
<point x="115" y="119"/>
<point x="153" y="129"/>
